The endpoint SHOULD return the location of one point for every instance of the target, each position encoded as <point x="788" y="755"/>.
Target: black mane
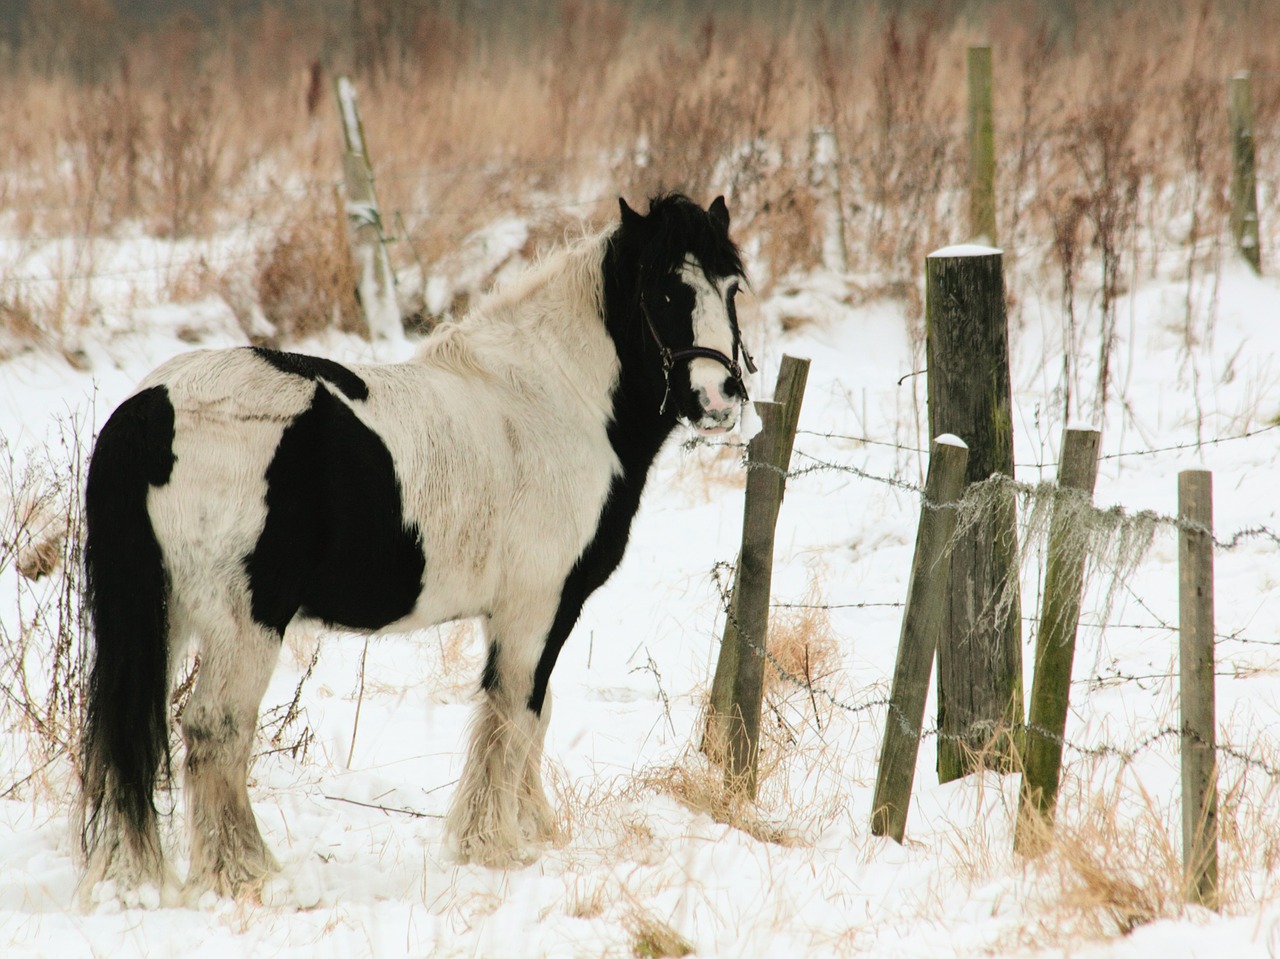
<point x="678" y="227"/>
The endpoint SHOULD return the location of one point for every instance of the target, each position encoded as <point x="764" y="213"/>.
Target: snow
<point x="965" y="249"/>
<point x="355" y="819"/>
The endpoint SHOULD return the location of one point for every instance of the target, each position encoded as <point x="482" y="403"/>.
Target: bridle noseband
<point x="671" y="357"/>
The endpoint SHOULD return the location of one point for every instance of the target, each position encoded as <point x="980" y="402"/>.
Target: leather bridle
<point x="671" y="357"/>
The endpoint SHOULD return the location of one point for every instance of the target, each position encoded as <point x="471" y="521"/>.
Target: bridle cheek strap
<point x="671" y="357"/>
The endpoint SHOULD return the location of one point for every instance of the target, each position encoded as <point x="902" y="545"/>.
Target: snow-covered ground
<point x="355" y="816"/>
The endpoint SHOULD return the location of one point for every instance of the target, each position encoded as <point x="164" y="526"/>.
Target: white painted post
<point x="377" y="284"/>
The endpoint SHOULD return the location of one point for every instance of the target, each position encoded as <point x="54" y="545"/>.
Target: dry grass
<point x="838" y="139"/>
<point x="803" y="649"/>
<point x="44" y="655"/>
<point x="1110" y="865"/>
<point x="1112" y="860"/>
<point x="702" y="787"/>
<point x="307" y="281"/>
<point x="652" y="938"/>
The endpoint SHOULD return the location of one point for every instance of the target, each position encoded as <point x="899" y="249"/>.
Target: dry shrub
<point x="652" y="938"/>
<point x="18" y="326"/>
<point x="44" y="657"/>
<point x="106" y="130"/>
<point x="187" y="174"/>
<point x="911" y="142"/>
<point x="803" y="649"/>
<point x="187" y="127"/>
<point x="587" y="903"/>
<point x="307" y="282"/>
<point x="693" y="113"/>
<point x="789" y="223"/>
<point x="703" y="787"/>
<point x="1110" y="864"/>
<point x="589" y="35"/>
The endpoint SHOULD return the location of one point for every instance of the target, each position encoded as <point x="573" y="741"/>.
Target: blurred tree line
<point x="87" y="39"/>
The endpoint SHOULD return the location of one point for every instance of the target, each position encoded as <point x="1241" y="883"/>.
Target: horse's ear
<point x="719" y="212"/>
<point x="630" y="218"/>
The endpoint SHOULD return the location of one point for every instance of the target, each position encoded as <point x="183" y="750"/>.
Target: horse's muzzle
<point x="719" y="419"/>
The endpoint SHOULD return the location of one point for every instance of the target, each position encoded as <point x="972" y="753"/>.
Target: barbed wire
<point x="981" y="731"/>
<point x="1177" y="447"/>
<point x="975" y="491"/>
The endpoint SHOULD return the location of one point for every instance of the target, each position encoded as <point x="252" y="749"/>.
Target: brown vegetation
<point x="838" y="139"/>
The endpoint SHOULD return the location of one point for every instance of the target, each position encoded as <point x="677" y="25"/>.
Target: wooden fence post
<point x="759" y="518"/>
<point x="793" y="374"/>
<point x="980" y="651"/>
<point x="921" y="624"/>
<point x="1195" y="693"/>
<point x="1244" y="189"/>
<point x="1056" y="640"/>
<point x="982" y="151"/>
<point x="377" y="283"/>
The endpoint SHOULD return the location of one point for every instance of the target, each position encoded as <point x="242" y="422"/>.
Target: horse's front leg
<point x="500" y="809"/>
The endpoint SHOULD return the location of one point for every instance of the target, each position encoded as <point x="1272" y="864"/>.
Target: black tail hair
<point x="126" y="732"/>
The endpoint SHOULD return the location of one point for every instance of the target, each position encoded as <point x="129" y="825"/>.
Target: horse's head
<point x="689" y="273"/>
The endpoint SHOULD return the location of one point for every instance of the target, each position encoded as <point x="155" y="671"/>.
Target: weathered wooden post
<point x="1056" y="640"/>
<point x="755" y="574"/>
<point x="982" y="150"/>
<point x="1244" y="189"/>
<point x="793" y="374"/>
<point x="377" y="283"/>
<point x="921" y="625"/>
<point x="1195" y="691"/>
<point x="980" y="652"/>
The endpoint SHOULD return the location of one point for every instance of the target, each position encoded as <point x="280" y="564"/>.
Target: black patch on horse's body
<point x="642" y="251"/>
<point x="316" y="368"/>
<point x="127" y="725"/>
<point x="335" y="544"/>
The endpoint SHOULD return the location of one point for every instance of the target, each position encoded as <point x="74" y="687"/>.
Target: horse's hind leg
<point x="228" y="854"/>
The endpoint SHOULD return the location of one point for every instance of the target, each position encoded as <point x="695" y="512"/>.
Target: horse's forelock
<point x="680" y="228"/>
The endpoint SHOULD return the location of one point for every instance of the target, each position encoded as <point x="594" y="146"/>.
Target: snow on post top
<point x="1089" y="426"/>
<point x="950" y="439"/>
<point x="966" y="249"/>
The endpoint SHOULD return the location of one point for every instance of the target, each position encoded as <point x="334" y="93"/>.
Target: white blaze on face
<point x="712" y="329"/>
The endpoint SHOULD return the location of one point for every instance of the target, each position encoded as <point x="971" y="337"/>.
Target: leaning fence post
<point x="980" y="651"/>
<point x="1195" y="692"/>
<point x="1056" y="641"/>
<point x="1244" y="189"/>
<point x="982" y="150"/>
<point x="793" y="374"/>
<point x="377" y="283"/>
<point x="921" y="624"/>
<point x="741" y="722"/>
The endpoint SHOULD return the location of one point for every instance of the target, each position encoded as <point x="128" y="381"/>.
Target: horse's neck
<point x="548" y="323"/>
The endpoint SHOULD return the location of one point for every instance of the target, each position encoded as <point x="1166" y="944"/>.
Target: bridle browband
<point x="671" y="357"/>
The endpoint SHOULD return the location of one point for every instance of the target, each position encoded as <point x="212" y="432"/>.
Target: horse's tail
<point x="126" y="731"/>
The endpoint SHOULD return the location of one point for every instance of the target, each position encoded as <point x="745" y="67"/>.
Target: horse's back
<point x="280" y="489"/>
<point x="372" y="495"/>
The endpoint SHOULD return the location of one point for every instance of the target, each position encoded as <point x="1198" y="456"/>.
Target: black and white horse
<point x="495" y="475"/>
